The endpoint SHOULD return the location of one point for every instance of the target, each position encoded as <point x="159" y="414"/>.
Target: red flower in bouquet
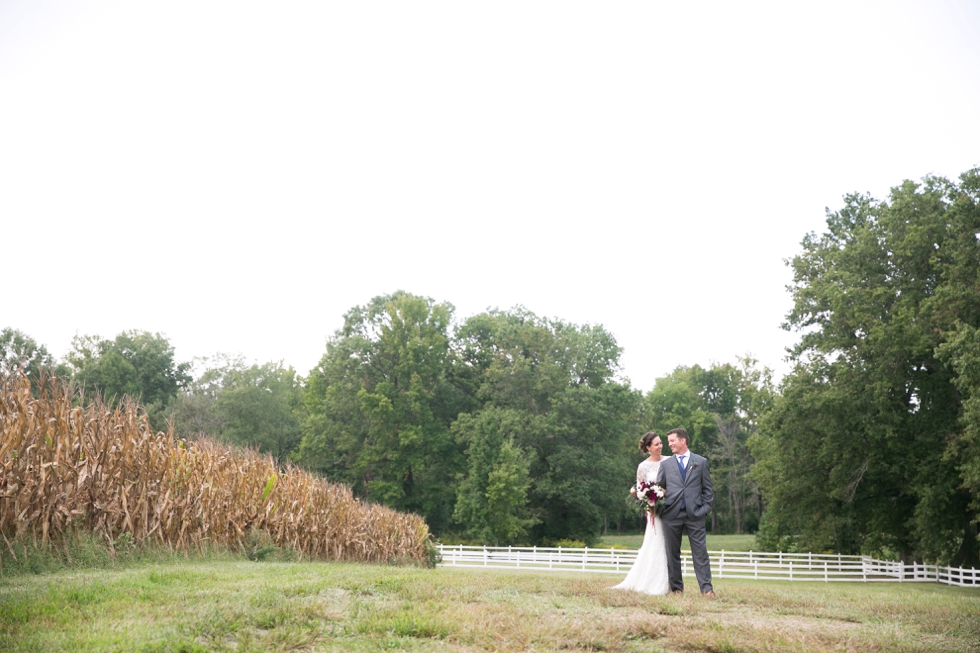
<point x="648" y="495"/>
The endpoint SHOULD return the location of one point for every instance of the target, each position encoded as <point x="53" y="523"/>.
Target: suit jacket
<point x="695" y="488"/>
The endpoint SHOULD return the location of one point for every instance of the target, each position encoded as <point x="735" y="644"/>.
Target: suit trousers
<point x="674" y="525"/>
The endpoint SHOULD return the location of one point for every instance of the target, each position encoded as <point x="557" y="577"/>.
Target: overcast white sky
<point x="237" y="175"/>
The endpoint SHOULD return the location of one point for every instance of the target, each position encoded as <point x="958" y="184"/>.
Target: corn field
<point x="66" y="467"/>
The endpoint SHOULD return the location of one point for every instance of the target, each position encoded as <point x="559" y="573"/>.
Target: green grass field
<point x="231" y="605"/>
<point x="715" y="542"/>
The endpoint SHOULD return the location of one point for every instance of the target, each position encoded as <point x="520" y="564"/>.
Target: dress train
<point x="649" y="572"/>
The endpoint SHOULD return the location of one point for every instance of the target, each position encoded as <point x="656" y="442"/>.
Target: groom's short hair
<point x="681" y="433"/>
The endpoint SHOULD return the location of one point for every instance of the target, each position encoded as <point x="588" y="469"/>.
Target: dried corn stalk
<point x="63" y="466"/>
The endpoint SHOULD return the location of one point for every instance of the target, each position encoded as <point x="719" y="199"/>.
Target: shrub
<point x="570" y="544"/>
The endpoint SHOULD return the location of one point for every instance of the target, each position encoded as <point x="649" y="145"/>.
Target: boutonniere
<point x="693" y="465"/>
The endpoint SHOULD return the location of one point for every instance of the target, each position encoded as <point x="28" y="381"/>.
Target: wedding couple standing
<point x="687" y="500"/>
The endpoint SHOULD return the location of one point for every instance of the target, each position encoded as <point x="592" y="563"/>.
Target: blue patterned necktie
<point x="680" y="465"/>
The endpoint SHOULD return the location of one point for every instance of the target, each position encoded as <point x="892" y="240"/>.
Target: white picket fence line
<point x="724" y="564"/>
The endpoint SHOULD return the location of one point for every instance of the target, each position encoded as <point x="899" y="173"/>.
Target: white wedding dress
<point x="649" y="572"/>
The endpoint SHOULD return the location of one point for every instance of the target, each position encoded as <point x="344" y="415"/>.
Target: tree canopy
<point x="871" y="444"/>
<point x="21" y="353"/>
<point x="545" y="388"/>
<point x="381" y="403"/>
<point x="508" y="427"/>
<point x="135" y="363"/>
<point x="258" y="406"/>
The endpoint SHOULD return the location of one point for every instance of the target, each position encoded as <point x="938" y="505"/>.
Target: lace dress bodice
<point x="647" y="470"/>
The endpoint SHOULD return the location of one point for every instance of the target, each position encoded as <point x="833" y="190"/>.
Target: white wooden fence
<point x="724" y="564"/>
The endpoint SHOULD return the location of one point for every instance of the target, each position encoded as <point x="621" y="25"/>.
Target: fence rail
<point x="724" y="564"/>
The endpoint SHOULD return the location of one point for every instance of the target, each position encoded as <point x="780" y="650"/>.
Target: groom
<point x="687" y="499"/>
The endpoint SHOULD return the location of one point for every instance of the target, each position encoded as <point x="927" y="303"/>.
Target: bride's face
<point x="655" y="447"/>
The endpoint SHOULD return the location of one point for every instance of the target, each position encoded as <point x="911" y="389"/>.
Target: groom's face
<point x="676" y="444"/>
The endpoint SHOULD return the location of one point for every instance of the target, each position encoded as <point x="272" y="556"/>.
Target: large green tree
<point x="545" y="388"/>
<point x="21" y="353"/>
<point x="869" y="446"/>
<point x="195" y="412"/>
<point x="259" y="406"/>
<point x="678" y="400"/>
<point x="135" y="363"/>
<point x="380" y="405"/>
<point x="492" y="500"/>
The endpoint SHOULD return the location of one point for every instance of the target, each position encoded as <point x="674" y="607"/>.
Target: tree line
<point x="507" y="427"/>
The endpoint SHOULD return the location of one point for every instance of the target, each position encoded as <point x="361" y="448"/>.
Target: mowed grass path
<point x="229" y="605"/>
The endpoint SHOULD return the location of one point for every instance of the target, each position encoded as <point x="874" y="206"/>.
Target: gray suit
<point x="693" y="491"/>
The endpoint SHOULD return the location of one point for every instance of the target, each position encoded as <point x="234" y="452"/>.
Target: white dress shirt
<point x="683" y="458"/>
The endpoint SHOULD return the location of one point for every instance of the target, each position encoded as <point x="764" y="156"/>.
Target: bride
<point x="649" y="572"/>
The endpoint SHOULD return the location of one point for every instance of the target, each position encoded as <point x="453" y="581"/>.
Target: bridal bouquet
<point x="648" y="495"/>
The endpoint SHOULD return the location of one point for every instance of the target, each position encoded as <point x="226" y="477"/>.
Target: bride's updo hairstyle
<point x="647" y="440"/>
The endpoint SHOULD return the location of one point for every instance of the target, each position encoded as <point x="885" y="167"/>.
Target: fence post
<point x="585" y="556"/>
<point x="721" y="564"/>
<point x="791" y="569"/>
<point x="826" y="576"/>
